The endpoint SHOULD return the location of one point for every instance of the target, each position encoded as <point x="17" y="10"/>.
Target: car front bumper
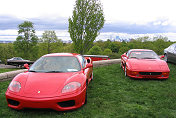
<point x="139" y="76"/>
<point x="61" y="103"/>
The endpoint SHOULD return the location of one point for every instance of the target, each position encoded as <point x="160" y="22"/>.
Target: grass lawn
<point x="111" y="94"/>
<point x="2" y="70"/>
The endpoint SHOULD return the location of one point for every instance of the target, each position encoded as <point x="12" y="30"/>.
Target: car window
<point x="19" y="58"/>
<point x="175" y="48"/>
<point x="82" y="60"/>
<point x="172" y="47"/>
<point x="56" y="64"/>
<point x="127" y="53"/>
<point x="143" y="55"/>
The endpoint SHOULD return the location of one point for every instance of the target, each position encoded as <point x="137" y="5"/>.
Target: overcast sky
<point x="124" y="18"/>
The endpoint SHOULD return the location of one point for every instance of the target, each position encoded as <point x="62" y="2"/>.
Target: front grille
<point x="150" y="73"/>
<point x="69" y="103"/>
<point x="13" y="102"/>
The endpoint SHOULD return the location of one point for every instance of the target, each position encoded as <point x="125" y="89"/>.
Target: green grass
<point x="111" y="94"/>
<point x="2" y="70"/>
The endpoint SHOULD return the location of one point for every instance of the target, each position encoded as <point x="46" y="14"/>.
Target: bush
<point x="107" y="52"/>
<point x="114" y="56"/>
<point x="95" y="50"/>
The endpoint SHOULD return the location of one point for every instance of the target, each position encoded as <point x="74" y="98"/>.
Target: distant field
<point x="111" y="94"/>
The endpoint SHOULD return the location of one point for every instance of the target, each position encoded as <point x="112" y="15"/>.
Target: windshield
<point x="143" y="55"/>
<point x="56" y="64"/>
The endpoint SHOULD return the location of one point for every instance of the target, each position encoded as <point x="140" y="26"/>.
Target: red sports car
<point x="143" y="63"/>
<point x="56" y="81"/>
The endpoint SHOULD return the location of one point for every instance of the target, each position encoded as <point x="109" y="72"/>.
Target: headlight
<point x="15" y="86"/>
<point x="72" y="86"/>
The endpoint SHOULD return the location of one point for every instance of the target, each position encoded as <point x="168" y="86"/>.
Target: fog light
<point x="165" y="74"/>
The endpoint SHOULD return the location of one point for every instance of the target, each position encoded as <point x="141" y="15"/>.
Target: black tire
<point x="86" y="93"/>
<point x="125" y="71"/>
<point x="92" y="76"/>
<point x="86" y="96"/>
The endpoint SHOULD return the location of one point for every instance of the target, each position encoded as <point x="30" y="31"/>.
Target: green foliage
<point x="26" y="42"/>
<point x="114" y="46"/>
<point x="85" y="24"/>
<point x="123" y="50"/>
<point x="107" y="52"/>
<point x="114" y="56"/>
<point x="7" y="51"/>
<point x="50" y="42"/>
<point x="95" y="50"/>
<point x="67" y="48"/>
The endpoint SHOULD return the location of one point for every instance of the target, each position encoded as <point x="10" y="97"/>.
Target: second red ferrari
<point x="143" y="63"/>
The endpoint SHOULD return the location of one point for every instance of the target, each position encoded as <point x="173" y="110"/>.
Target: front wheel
<point x="86" y="96"/>
<point x="125" y="70"/>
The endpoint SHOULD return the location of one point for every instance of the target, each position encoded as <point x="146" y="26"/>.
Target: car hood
<point x="148" y="65"/>
<point x="39" y="85"/>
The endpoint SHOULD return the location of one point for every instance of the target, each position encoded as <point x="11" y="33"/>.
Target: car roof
<point x="61" y="54"/>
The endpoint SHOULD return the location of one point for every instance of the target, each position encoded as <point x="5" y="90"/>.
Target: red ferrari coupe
<point x="56" y="81"/>
<point x="143" y="63"/>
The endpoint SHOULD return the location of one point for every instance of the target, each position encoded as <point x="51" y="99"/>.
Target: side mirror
<point x="89" y="65"/>
<point x="26" y="66"/>
<point x="162" y="57"/>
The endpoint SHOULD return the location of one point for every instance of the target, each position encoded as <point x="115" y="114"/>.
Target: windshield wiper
<point x="54" y="71"/>
<point x="32" y="71"/>
<point x="134" y="57"/>
<point x="148" y="58"/>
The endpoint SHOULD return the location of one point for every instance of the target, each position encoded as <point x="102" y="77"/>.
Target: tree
<point x="114" y="46"/>
<point x="85" y="24"/>
<point x="26" y="42"/>
<point x="50" y="40"/>
<point x="123" y="50"/>
<point x="6" y="51"/>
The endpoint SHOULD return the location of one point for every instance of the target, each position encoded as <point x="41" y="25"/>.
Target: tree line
<point x="49" y="43"/>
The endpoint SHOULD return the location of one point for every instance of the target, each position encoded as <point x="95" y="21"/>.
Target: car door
<point x="170" y="52"/>
<point x="84" y="62"/>
<point x="174" y="55"/>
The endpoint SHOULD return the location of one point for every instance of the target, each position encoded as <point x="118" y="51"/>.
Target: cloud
<point x="9" y="22"/>
<point x="158" y="26"/>
<point x="43" y="23"/>
<point x="8" y="27"/>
